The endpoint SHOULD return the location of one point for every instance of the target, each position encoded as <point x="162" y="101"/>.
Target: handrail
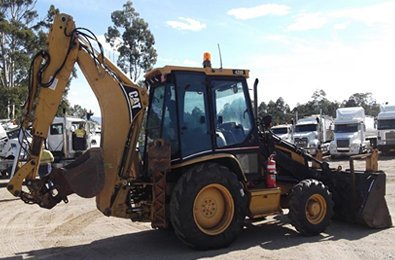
<point x="371" y="165"/>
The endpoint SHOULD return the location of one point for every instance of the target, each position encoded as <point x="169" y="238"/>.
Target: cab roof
<point x="159" y="74"/>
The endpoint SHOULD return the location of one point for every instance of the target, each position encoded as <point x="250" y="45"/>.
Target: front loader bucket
<point x="360" y="198"/>
<point x="375" y="212"/>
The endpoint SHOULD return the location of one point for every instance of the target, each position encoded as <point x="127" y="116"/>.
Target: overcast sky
<point x="293" y="47"/>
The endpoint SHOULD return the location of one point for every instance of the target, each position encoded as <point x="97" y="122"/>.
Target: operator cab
<point x="202" y="111"/>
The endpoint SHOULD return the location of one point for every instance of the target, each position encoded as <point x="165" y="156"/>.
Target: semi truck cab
<point x="386" y="129"/>
<point x="355" y="133"/>
<point x="283" y="131"/>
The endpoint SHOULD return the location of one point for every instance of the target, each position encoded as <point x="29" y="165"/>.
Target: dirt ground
<point x="77" y="230"/>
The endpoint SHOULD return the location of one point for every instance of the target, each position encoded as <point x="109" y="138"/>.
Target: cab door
<point x="234" y="124"/>
<point x="194" y="120"/>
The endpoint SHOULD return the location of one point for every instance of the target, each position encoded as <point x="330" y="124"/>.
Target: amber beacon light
<point x="207" y="60"/>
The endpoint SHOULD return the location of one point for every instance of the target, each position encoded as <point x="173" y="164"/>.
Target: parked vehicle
<point x="355" y="132"/>
<point x="386" y="129"/>
<point x="9" y="146"/>
<point x="9" y="143"/>
<point x="8" y="124"/>
<point x="283" y="131"/>
<point x="314" y="133"/>
<point x="94" y="137"/>
<point x="61" y="139"/>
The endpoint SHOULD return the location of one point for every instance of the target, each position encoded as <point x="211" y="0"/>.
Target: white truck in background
<point x="283" y="131"/>
<point x="8" y="124"/>
<point x="386" y="129"/>
<point x="61" y="138"/>
<point x="94" y="139"/>
<point x="9" y="146"/>
<point x="355" y="132"/>
<point x="61" y="129"/>
<point x="314" y="133"/>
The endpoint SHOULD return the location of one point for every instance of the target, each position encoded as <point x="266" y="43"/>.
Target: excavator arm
<point x="102" y="172"/>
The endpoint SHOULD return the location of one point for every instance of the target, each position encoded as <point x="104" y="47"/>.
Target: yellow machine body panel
<point x="264" y="202"/>
<point x="159" y="74"/>
<point x="122" y="105"/>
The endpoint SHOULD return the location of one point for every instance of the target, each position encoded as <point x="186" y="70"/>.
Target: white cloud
<point x="167" y="60"/>
<point x="280" y="38"/>
<point x="191" y="63"/>
<point x="338" y="69"/>
<point x="341" y="26"/>
<point x="186" y="24"/>
<point x="161" y="62"/>
<point x="262" y="10"/>
<point x="110" y="52"/>
<point x="306" y="22"/>
<point x="379" y="13"/>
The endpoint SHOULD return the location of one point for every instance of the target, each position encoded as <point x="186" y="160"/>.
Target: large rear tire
<point x="208" y="207"/>
<point x="310" y="207"/>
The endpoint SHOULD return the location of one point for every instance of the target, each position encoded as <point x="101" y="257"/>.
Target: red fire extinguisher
<point x="271" y="172"/>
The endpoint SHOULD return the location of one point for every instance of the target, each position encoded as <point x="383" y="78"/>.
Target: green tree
<point x="318" y="102"/>
<point x="262" y="110"/>
<point x="364" y="100"/>
<point x="78" y="111"/>
<point x="17" y="40"/>
<point x="133" y="40"/>
<point x="20" y="38"/>
<point x="279" y="111"/>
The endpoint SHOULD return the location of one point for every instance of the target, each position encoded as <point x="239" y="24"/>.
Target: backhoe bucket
<point x="360" y="198"/>
<point x="84" y="176"/>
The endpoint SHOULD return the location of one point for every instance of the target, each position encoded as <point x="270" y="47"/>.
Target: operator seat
<point x="233" y="132"/>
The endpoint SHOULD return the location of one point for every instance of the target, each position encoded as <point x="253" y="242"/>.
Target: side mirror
<point x="220" y="120"/>
<point x="267" y="120"/>
<point x="235" y="89"/>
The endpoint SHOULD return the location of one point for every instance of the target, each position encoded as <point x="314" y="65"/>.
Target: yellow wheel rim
<point x="213" y="209"/>
<point x="315" y="209"/>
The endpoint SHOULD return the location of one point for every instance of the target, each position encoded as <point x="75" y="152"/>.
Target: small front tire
<point x="310" y="207"/>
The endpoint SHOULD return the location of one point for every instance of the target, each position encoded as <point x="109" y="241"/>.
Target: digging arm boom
<point x="104" y="172"/>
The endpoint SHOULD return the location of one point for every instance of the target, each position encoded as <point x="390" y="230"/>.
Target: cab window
<point x="170" y="121"/>
<point x="232" y="117"/>
<point x="56" y="129"/>
<point x="155" y="114"/>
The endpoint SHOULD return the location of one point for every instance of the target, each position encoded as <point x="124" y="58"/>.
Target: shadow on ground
<point x="272" y="234"/>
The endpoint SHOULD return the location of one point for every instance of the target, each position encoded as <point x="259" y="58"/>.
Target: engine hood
<point x="308" y="135"/>
<point x="353" y="137"/>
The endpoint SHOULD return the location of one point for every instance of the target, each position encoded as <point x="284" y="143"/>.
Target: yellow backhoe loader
<point x="204" y="169"/>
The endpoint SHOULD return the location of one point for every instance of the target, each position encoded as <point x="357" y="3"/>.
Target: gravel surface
<point x="77" y="230"/>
